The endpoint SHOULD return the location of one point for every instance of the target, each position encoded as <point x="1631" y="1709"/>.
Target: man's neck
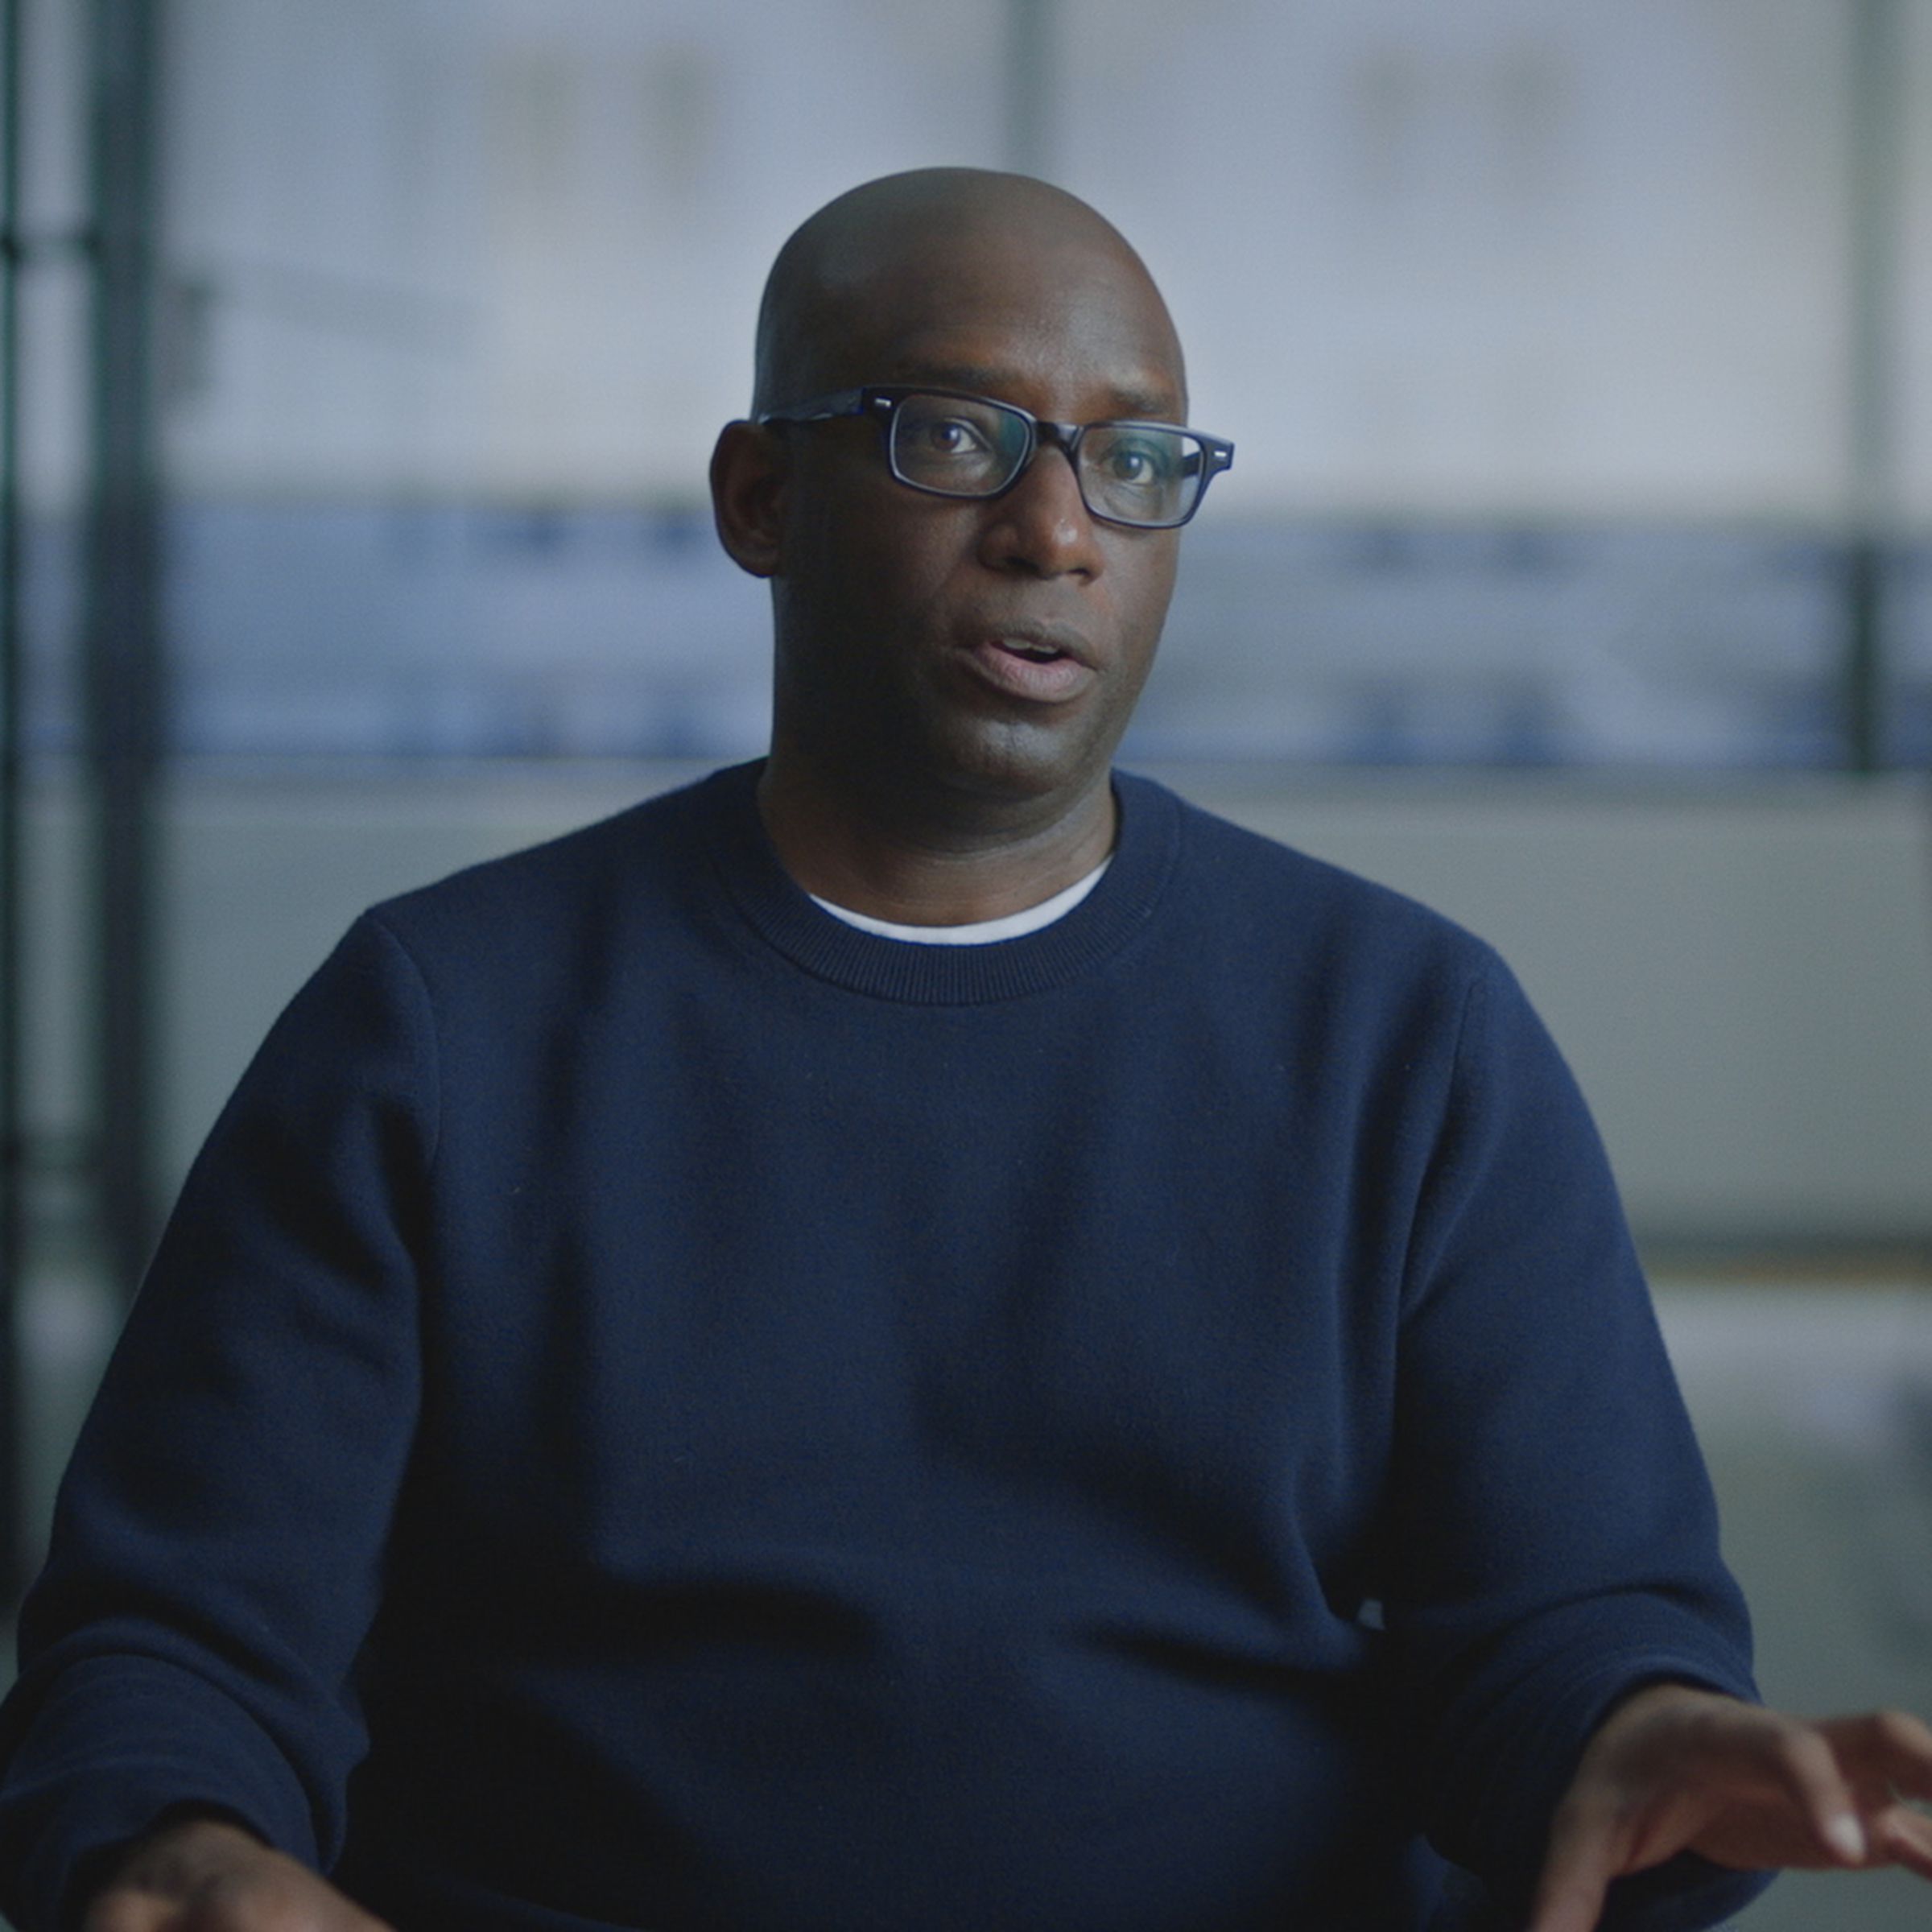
<point x="939" y="868"/>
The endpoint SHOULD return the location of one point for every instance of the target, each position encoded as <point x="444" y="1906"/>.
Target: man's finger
<point x="1888" y="1746"/>
<point x="125" y="1909"/>
<point x="1581" y="1860"/>
<point x="1901" y="1837"/>
<point x="1807" y="1765"/>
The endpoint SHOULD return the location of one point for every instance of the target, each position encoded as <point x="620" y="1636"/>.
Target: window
<point x="1538" y="328"/>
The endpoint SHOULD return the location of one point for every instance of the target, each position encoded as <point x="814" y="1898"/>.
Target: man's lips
<point x="1044" y="663"/>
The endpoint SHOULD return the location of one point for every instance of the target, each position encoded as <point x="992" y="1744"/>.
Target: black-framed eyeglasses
<point x="1148" y="476"/>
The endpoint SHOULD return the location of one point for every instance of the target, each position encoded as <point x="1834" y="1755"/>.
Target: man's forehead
<point x="988" y="312"/>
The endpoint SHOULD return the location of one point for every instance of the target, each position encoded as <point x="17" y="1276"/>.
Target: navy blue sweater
<point x="657" y="1408"/>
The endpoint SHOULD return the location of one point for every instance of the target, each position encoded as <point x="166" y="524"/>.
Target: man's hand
<point x="1674" y="1769"/>
<point x="204" y="1874"/>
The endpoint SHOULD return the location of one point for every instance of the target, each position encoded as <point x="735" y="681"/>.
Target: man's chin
<point x="968" y="773"/>
<point x="1022" y="767"/>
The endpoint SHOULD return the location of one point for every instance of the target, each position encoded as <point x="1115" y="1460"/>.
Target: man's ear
<point x="748" y="472"/>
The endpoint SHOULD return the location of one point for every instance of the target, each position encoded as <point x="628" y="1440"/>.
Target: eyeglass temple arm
<point x="820" y="409"/>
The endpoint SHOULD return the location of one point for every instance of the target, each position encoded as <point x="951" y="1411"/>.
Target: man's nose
<point x="1042" y="523"/>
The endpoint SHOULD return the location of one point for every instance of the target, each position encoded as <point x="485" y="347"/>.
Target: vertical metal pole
<point x="1028" y="86"/>
<point x="13" y="1541"/>
<point x="121" y="646"/>
<point x="1862" y="677"/>
<point x="1874" y="106"/>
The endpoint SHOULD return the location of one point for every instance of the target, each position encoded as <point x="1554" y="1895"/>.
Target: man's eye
<point x="949" y="436"/>
<point x="1144" y="462"/>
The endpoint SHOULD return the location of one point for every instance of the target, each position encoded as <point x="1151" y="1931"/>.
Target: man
<point x="919" y="1335"/>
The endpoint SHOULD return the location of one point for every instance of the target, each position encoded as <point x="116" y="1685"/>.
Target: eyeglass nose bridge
<point x="1065" y="437"/>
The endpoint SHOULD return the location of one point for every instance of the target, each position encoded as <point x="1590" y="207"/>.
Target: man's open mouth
<point x="1034" y="665"/>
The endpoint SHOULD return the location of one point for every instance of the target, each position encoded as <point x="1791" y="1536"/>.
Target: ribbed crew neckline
<point x="784" y="914"/>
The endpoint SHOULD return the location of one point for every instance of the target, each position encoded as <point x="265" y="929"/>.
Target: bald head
<point x="910" y="250"/>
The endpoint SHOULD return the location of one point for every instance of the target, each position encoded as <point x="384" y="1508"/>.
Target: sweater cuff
<point x="1684" y="1894"/>
<point x="65" y="1801"/>
<point x="1531" y="1742"/>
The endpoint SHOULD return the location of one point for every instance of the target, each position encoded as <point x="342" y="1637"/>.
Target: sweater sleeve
<point x="218" y="1542"/>
<point x="1555" y="1533"/>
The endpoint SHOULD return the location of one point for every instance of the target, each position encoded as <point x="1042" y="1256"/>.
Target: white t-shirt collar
<point x="982" y="931"/>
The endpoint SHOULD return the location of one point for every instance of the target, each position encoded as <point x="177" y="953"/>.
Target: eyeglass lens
<point x="960" y="447"/>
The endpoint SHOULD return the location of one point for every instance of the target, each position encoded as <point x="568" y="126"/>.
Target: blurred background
<point x="358" y="369"/>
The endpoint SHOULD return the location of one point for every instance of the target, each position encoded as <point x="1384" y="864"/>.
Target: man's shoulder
<point x="650" y="851"/>
<point x="1251" y="878"/>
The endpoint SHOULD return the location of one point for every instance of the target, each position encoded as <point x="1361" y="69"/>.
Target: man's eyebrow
<point x="1145" y="403"/>
<point x="1148" y="404"/>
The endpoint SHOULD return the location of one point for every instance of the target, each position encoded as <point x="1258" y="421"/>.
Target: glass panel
<point x="1531" y="323"/>
<point x="513" y="249"/>
<point x="1493" y="259"/>
<point x="1391" y="641"/>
